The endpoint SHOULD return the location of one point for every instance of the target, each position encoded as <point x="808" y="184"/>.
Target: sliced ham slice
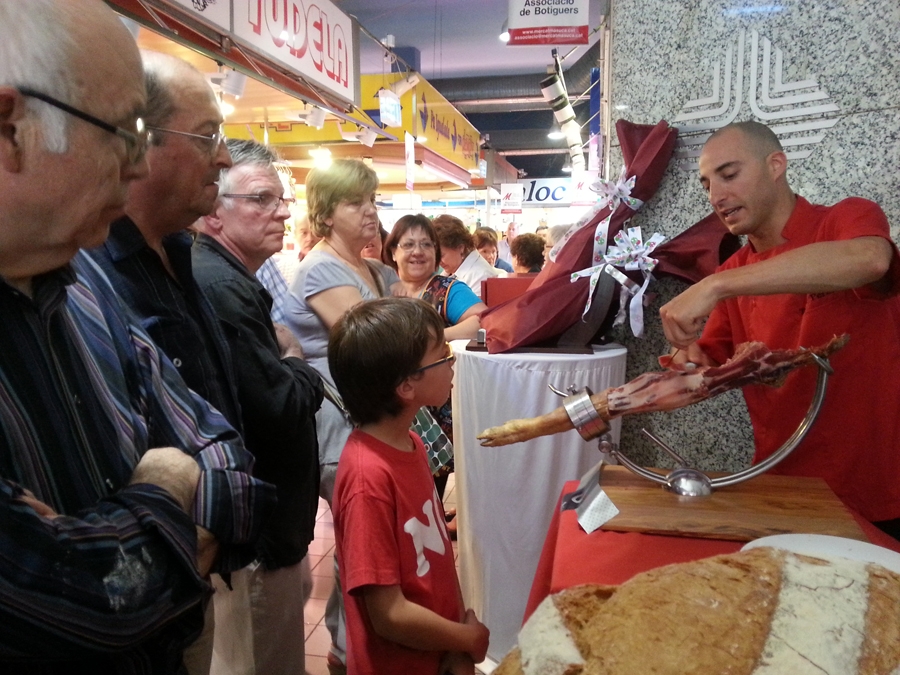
<point x="752" y="363"/>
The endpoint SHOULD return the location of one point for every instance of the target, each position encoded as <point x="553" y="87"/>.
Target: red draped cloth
<point x="553" y="303"/>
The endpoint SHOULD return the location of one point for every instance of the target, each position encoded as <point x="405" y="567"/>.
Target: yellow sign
<point x="447" y="132"/>
<point x="428" y="116"/>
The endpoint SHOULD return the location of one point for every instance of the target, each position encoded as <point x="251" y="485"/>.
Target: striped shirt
<point x="110" y="585"/>
<point x="172" y="310"/>
<point x="273" y="281"/>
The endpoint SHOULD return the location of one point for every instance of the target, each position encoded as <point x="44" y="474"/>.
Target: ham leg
<point x="752" y="363"/>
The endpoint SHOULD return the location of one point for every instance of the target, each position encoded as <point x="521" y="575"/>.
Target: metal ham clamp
<point x="589" y="413"/>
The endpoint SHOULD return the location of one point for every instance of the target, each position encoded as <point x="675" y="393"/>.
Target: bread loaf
<point x="759" y="612"/>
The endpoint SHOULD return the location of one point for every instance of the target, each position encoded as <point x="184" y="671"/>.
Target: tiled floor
<point x="321" y="558"/>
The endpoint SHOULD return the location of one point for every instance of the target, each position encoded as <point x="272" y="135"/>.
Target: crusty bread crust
<point x="709" y="616"/>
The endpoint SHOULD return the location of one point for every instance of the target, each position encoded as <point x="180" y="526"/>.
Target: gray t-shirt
<point x="320" y="271"/>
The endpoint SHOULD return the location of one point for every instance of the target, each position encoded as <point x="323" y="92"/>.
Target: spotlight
<point x="400" y="87"/>
<point x="313" y="116"/>
<point x="504" y="32"/>
<point x="367" y="137"/>
<point x="555" y="133"/>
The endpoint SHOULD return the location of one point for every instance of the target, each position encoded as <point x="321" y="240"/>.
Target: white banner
<point x="511" y="197"/>
<point x="312" y="38"/>
<point x="546" y="191"/>
<point x="548" y="22"/>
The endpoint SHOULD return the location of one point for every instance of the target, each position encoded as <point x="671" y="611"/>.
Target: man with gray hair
<point x="279" y="395"/>
<point x="118" y="485"/>
<point x="148" y="253"/>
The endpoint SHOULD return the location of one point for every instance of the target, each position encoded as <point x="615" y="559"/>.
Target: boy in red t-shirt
<point x="404" y="609"/>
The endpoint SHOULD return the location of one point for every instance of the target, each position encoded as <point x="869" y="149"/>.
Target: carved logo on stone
<point x="798" y="112"/>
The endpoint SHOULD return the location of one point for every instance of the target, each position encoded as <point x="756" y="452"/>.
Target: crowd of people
<point x="171" y="408"/>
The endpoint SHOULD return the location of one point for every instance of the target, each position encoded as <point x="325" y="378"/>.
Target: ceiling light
<point x="226" y="108"/>
<point x="504" y="32"/>
<point x="567" y="168"/>
<point x="555" y="133"/>
<point x="400" y="87"/>
<point x="316" y="117"/>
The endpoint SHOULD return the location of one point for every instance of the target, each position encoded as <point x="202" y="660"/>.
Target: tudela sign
<point x="310" y="37"/>
<point x="548" y="22"/>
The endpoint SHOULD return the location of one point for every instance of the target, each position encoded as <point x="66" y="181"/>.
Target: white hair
<point x="244" y="152"/>
<point x="36" y="45"/>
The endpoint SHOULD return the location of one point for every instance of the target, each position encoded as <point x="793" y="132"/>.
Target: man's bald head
<point x="759" y="139"/>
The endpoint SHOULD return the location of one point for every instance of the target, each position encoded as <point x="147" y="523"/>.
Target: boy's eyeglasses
<point x="136" y="142"/>
<point x="267" y="202"/>
<point x="450" y="358"/>
<point x="209" y="142"/>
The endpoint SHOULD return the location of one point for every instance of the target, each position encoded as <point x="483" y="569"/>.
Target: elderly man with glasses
<point x="148" y="252"/>
<point x="279" y="395"/>
<point x="119" y="488"/>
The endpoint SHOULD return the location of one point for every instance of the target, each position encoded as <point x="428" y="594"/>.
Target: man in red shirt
<point x="807" y="273"/>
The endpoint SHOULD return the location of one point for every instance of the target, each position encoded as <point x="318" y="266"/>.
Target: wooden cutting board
<point x="762" y="506"/>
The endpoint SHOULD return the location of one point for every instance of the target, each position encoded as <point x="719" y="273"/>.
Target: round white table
<point x="505" y="496"/>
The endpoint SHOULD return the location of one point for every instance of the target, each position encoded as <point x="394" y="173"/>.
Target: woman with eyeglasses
<point x="332" y="278"/>
<point x="415" y="251"/>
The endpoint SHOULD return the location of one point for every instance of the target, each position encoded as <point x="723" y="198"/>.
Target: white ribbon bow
<point x="631" y="253"/>
<point x="613" y="193"/>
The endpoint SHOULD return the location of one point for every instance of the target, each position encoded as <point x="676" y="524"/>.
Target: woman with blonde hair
<point x="332" y="278"/>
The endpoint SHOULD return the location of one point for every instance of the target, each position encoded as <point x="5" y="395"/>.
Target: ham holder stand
<point x="684" y="480"/>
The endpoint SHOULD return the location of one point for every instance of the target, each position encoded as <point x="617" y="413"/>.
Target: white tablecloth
<point x="505" y="496"/>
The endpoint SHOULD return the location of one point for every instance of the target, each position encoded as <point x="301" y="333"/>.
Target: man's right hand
<point x="207" y="550"/>
<point x="171" y="469"/>
<point x="287" y="342"/>
<point x="683" y="316"/>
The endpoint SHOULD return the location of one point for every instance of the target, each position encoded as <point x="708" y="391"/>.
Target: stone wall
<point x="829" y="79"/>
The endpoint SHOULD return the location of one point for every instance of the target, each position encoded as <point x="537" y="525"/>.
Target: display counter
<point x="505" y="495"/>
<point x="571" y="556"/>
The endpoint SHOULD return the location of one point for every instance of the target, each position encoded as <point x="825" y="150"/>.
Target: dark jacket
<point x="278" y="397"/>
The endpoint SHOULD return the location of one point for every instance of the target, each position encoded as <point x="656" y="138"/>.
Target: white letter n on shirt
<point x="425" y="536"/>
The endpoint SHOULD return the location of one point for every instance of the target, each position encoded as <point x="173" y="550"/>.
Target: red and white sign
<point x="511" y="195"/>
<point x="310" y="37"/>
<point x="582" y="195"/>
<point x="548" y="22"/>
